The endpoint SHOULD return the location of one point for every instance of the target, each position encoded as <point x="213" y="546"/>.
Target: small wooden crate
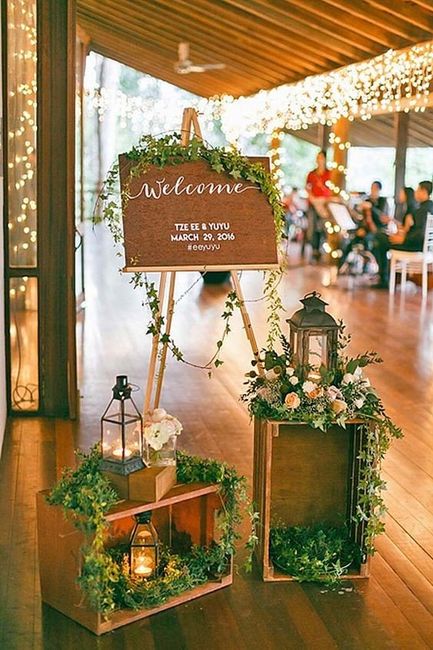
<point x="185" y="516"/>
<point x="304" y="476"/>
<point x="148" y="484"/>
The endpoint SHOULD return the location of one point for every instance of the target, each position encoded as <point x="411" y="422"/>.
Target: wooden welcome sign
<point x="188" y="217"/>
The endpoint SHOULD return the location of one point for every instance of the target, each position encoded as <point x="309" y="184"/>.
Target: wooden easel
<point x="158" y="355"/>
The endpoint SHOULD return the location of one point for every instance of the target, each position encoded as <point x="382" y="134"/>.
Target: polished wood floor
<point x="393" y="609"/>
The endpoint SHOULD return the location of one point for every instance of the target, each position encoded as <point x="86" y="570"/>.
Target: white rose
<point x="359" y="403"/>
<point x="153" y="437"/>
<point x="294" y="380"/>
<point x="358" y="373"/>
<point x="170" y="427"/>
<point x="348" y="378"/>
<point x="167" y="429"/>
<point x="308" y="387"/>
<point x="177" y="425"/>
<point x="334" y="393"/>
<point x="158" y="415"/>
<point x="272" y="374"/>
<point x="290" y="371"/>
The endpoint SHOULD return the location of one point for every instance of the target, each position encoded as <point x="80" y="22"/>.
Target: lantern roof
<point x="313" y="314"/>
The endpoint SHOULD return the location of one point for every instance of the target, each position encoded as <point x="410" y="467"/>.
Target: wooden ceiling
<point x="380" y="131"/>
<point x="263" y="43"/>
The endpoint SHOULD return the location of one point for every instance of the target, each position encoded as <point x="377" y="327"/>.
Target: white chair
<point x="405" y="262"/>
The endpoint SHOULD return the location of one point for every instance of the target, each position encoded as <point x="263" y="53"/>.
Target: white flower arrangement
<point x="159" y="427"/>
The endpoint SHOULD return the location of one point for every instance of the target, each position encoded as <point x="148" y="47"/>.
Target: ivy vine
<point x="86" y="496"/>
<point x="317" y="553"/>
<point x="168" y="150"/>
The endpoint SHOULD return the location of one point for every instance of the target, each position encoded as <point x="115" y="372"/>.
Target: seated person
<point x="405" y="209"/>
<point x="375" y="209"/>
<point x="411" y="239"/>
<point x="373" y="218"/>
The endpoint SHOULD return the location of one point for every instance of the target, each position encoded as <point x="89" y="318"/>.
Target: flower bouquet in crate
<point x="310" y="387"/>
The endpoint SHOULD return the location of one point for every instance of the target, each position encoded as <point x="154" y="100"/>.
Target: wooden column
<point x="323" y="137"/>
<point x="56" y="188"/>
<point x="401" y="126"/>
<point x="341" y="130"/>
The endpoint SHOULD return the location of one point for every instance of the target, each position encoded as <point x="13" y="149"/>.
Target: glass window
<point x="21" y="246"/>
<point x="419" y="165"/>
<point x="23" y="303"/>
<point x="368" y="164"/>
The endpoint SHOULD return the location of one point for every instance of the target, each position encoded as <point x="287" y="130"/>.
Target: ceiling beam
<point x="252" y="55"/>
<point x="249" y="31"/>
<point x="292" y="11"/>
<point x="361" y="10"/>
<point x="156" y="48"/>
<point x="243" y="24"/>
<point x="157" y="37"/>
<point x="345" y="20"/>
<point x="288" y="25"/>
<point x="420" y="18"/>
<point x="109" y="44"/>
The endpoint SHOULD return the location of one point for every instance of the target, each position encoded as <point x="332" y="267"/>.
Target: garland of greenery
<point x="86" y="496"/>
<point x="168" y="150"/>
<point x="338" y="397"/>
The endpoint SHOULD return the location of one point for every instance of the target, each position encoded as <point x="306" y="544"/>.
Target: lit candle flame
<point x="118" y="452"/>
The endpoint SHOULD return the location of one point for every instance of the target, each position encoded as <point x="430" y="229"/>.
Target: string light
<point x="276" y="154"/>
<point x="394" y="81"/>
<point x="21" y="92"/>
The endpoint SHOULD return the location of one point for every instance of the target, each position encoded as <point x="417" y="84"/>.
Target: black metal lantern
<point x="143" y="547"/>
<point x="122" y="432"/>
<point x="313" y="336"/>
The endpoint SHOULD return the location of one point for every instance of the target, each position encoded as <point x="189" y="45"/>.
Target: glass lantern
<point x="122" y="432"/>
<point x="143" y="547"/>
<point x="313" y="337"/>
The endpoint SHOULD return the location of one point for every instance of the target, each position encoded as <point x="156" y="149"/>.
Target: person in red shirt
<point x="318" y="178"/>
<point x="317" y="188"/>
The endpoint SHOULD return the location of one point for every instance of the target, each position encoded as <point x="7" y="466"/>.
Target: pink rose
<point x="338" y="406"/>
<point x="292" y="401"/>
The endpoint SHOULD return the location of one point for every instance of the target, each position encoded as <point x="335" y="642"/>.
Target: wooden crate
<point x="185" y="516"/>
<point x="148" y="484"/>
<point x="304" y="476"/>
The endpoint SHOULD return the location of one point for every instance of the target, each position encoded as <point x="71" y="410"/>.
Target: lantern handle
<point x="313" y="294"/>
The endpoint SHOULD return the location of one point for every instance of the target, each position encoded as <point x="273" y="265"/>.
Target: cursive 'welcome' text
<point x="161" y="188"/>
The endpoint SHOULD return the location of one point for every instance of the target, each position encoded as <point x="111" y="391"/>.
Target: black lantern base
<point x="124" y="467"/>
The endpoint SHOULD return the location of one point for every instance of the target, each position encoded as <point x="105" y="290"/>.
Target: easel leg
<point x="247" y="322"/>
<point x="163" y="356"/>
<point x="155" y="346"/>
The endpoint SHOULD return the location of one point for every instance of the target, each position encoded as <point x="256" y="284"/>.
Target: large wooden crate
<point x="304" y="476"/>
<point x="185" y="516"/>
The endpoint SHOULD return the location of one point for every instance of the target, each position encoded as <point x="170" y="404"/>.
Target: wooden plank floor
<point x="394" y="609"/>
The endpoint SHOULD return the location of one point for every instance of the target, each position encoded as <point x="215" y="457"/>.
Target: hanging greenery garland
<point x="168" y="150"/>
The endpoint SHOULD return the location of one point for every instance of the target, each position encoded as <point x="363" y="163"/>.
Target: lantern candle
<point x="143" y="567"/>
<point x="122" y="432"/>
<point x="143" y="547"/>
<point x="313" y="337"/>
<point x="118" y="452"/>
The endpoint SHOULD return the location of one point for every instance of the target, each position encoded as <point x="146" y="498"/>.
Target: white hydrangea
<point x="159" y="428"/>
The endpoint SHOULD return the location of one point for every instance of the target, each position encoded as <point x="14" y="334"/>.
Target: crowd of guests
<point x="377" y="230"/>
